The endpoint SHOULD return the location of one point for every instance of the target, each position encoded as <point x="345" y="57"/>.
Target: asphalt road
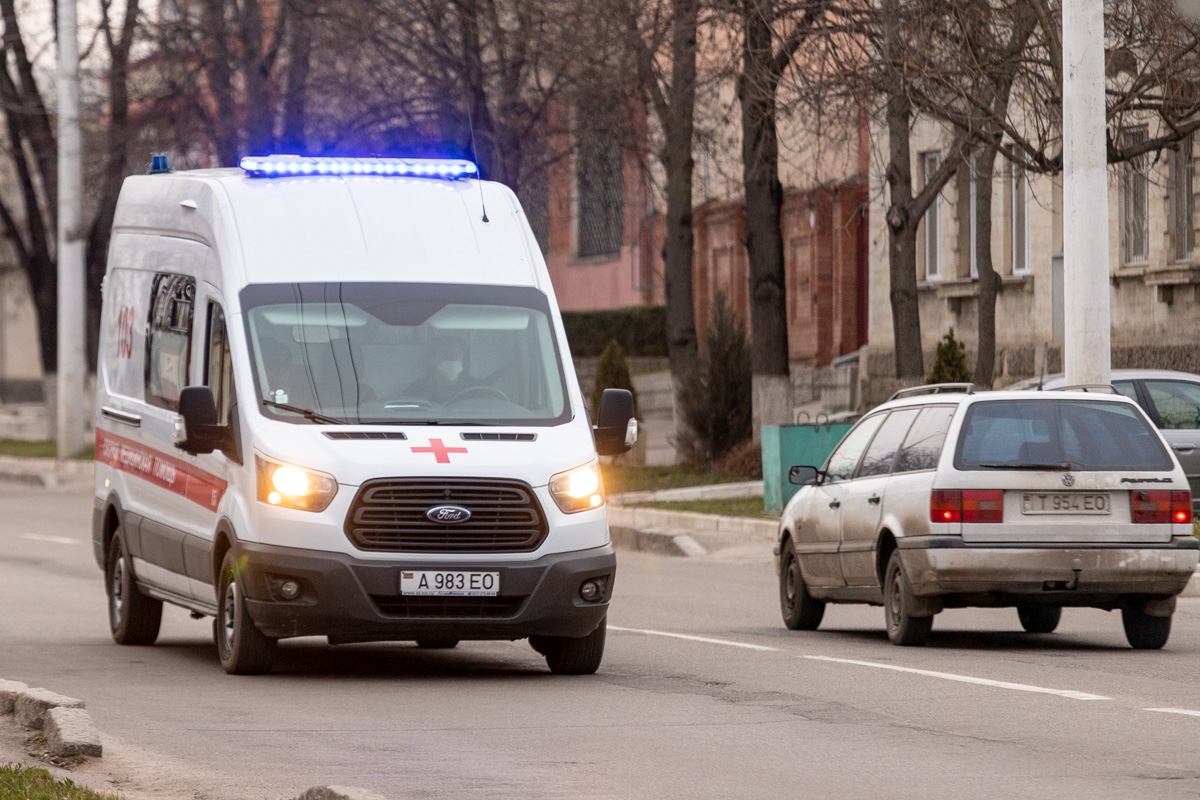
<point x="743" y="709"/>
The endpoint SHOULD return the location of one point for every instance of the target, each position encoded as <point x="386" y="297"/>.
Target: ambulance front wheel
<point x="571" y="656"/>
<point x="242" y="648"/>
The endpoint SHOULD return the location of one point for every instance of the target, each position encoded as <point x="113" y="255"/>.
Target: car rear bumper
<point x="943" y="565"/>
<point x="348" y="599"/>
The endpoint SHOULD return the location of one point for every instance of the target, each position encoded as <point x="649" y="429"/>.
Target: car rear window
<point x="1059" y="434"/>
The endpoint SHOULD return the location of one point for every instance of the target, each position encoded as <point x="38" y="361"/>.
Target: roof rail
<point x="1088" y="387"/>
<point x="934" y="388"/>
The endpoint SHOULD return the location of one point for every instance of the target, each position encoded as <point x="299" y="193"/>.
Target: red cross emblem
<point x="439" y="450"/>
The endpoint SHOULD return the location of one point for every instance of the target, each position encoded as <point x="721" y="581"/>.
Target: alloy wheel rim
<point x="116" y="596"/>
<point x="228" y="610"/>
<point x="894" y="601"/>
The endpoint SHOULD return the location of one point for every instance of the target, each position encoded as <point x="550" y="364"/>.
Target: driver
<point x="444" y="378"/>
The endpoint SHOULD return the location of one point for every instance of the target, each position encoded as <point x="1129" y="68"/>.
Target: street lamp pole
<point x="1087" y="350"/>
<point x="72" y="369"/>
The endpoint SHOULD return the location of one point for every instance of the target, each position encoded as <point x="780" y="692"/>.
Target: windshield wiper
<point x="447" y="423"/>
<point x="1061" y="466"/>
<point x="307" y="413"/>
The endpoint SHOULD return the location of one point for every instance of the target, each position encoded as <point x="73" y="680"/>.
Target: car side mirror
<point x="804" y="476"/>
<point x="196" y="429"/>
<point x="616" y="428"/>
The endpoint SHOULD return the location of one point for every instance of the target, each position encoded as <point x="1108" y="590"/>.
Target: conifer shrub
<point x="950" y="362"/>
<point x="715" y="398"/>
<point x="612" y="372"/>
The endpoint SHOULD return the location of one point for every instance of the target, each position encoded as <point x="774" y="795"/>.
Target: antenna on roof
<point x="475" y="158"/>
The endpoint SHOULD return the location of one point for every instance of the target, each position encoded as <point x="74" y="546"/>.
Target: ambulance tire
<point x="242" y="647"/>
<point x="437" y="643"/>
<point x="571" y="656"/>
<point x="133" y="618"/>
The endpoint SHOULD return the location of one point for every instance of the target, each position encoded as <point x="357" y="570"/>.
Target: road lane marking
<point x="704" y="639"/>
<point x="950" y="676"/>
<point x="1183" y="711"/>
<point x="38" y="537"/>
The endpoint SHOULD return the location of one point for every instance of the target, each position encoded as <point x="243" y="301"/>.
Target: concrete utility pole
<point x="1087" y="350"/>
<point x="72" y="366"/>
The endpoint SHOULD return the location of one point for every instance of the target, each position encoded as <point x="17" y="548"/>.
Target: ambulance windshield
<point x="396" y="353"/>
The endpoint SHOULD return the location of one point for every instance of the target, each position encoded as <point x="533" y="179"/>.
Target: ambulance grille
<point x="389" y="515"/>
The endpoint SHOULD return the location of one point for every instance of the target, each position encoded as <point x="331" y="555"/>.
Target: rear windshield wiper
<point x="1061" y="466"/>
<point x="307" y="413"/>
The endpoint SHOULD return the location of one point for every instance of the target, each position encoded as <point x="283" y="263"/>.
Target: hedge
<point x="641" y="330"/>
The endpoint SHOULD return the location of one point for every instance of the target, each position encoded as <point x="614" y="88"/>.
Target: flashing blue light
<point x="273" y="166"/>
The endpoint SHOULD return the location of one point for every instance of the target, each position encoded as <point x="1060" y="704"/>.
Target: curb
<point x="655" y="540"/>
<point x="45" y="473"/>
<point x="68" y="729"/>
<point x="1193" y="586"/>
<point x="715" y="491"/>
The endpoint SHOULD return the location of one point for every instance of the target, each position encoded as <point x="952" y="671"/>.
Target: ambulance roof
<point x="343" y="228"/>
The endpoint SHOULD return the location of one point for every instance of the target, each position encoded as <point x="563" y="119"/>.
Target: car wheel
<point x="570" y="656"/>
<point x="800" y="611"/>
<point x="242" y="647"/>
<point x="437" y="643"/>
<point x="1143" y="631"/>
<point x="133" y="617"/>
<point x="902" y="627"/>
<point x="1039" y="619"/>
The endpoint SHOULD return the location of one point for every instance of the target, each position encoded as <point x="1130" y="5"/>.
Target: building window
<point x="1135" y="201"/>
<point x="933" y="215"/>
<point x="599" y="179"/>
<point x="1019" y="215"/>
<point x="1182" y="203"/>
<point x="973" y="210"/>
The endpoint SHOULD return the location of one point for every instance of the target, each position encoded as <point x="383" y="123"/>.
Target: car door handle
<point x="874" y="500"/>
<point x="1183" y="448"/>
<point x="835" y="503"/>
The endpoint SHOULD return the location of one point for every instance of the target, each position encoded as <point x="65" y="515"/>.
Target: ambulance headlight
<point x="578" y="489"/>
<point x="294" y="487"/>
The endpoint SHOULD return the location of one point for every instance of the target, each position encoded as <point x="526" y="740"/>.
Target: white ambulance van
<point x="335" y="399"/>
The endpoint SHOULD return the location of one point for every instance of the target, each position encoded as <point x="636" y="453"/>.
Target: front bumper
<point x="1075" y="574"/>
<point x="350" y="599"/>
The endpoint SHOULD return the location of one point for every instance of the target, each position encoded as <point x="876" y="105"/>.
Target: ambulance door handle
<point x="124" y="417"/>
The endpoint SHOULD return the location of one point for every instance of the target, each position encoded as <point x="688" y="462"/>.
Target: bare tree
<point x="663" y="38"/>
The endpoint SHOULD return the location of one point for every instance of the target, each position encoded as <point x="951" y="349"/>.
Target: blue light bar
<point x="288" y="166"/>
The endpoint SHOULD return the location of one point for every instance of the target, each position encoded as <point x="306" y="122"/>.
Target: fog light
<point x="290" y="590"/>
<point x="591" y="591"/>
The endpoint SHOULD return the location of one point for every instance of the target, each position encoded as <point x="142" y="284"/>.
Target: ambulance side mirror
<point x="196" y="430"/>
<point x="616" y="429"/>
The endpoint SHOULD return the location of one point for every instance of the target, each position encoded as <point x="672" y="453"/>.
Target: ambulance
<point x="335" y="399"/>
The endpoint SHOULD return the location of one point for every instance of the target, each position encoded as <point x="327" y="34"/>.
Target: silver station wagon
<point x="943" y="498"/>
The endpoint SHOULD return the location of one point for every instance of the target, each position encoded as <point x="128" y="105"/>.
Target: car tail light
<point x="982" y="505"/>
<point x="1181" y="507"/>
<point x="1160" y="507"/>
<point x="945" y="505"/>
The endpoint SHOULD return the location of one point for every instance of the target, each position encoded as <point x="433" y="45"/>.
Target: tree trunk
<point x="902" y="242"/>
<point x="260" y="127"/>
<point x="219" y="77"/>
<point x="682" y="347"/>
<point x="756" y="86"/>
<point x="989" y="281"/>
<point x="299" y="63"/>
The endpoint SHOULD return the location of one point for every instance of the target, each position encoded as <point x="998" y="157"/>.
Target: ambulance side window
<point x="169" y="337"/>
<point x="218" y="365"/>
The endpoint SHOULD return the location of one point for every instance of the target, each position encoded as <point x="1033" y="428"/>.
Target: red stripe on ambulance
<point x="166" y="472"/>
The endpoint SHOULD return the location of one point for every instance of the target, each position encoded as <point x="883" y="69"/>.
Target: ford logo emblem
<point x="448" y="515"/>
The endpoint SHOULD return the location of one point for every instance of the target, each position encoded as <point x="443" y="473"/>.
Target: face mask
<point x="449" y="369"/>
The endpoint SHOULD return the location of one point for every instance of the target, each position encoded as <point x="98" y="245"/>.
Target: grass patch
<point x="31" y="783"/>
<point x="621" y="478"/>
<point x="13" y="447"/>
<point x="731" y="507"/>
